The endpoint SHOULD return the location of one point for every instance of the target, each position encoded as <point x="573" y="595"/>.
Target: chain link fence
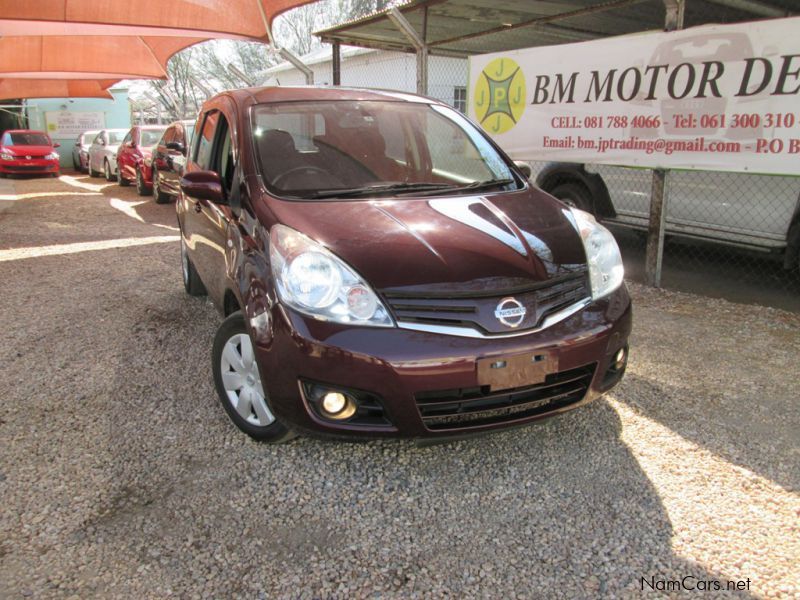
<point x="725" y="233"/>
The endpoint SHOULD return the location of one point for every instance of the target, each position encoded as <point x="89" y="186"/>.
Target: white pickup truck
<point x="760" y="212"/>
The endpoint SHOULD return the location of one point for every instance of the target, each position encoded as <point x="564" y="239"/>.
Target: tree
<point x="204" y="67"/>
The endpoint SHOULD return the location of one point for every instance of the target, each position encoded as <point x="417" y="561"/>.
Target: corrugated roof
<point x="464" y="27"/>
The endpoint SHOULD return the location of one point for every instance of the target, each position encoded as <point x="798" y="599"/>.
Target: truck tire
<point x="575" y="195"/>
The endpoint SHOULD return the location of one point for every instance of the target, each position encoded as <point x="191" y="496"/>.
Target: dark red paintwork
<point x="379" y="240"/>
<point x="28" y="159"/>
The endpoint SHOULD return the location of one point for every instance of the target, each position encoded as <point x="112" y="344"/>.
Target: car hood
<point x="27" y="150"/>
<point x="448" y="244"/>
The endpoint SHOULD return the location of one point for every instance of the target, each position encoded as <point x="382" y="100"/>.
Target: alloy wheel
<point x="242" y="381"/>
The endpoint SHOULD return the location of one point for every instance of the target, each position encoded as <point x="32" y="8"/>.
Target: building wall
<point x="116" y="114"/>
<point x="384" y="70"/>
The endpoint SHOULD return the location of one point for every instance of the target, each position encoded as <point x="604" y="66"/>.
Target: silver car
<point x="80" y="151"/>
<point x="103" y="153"/>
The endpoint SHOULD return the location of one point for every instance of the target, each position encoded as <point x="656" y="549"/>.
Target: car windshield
<point x="150" y="137"/>
<point x="340" y="149"/>
<point x="116" y="137"/>
<point x="31" y="138"/>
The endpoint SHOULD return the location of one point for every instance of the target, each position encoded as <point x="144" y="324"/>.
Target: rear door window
<point x="205" y="146"/>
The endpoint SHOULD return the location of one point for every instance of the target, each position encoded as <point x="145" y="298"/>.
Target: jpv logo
<point x="500" y="95"/>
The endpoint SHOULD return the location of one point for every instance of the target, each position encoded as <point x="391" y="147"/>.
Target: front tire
<point x="191" y="280"/>
<point x="237" y="379"/>
<point x="574" y="194"/>
<point x="160" y="197"/>
<point x="141" y="186"/>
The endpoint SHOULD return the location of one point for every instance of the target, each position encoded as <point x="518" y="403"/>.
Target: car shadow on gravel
<point x="562" y="506"/>
<point x="751" y="429"/>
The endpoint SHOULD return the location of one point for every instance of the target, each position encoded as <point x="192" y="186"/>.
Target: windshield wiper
<point x="386" y="188"/>
<point x="479" y="185"/>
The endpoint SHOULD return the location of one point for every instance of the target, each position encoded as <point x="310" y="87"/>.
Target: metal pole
<point x="419" y="46"/>
<point x="237" y="72"/>
<point x="659" y="196"/>
<point x="655" y="230"/>
<point x="336" y="49"/>
<point x="298" y="64"/>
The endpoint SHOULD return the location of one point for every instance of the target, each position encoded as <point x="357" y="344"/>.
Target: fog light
<point x="336" y="405"/>
<point x="619" y="358"/>
<point x="334" y="402"/>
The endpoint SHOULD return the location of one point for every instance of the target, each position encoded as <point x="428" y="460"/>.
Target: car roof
<point x="311" y="93"/>
<point x="25" y="131"/>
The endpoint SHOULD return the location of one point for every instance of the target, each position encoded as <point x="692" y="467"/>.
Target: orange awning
<point x="55" y="88"/>
<point x="89" y="57"/>
<point x="116" y="39"/>
<point x="242" y="19"/>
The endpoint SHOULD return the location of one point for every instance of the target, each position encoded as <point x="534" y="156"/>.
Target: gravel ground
<point x="120" y="475"/>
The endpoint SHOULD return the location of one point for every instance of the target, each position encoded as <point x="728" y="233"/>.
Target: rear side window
<point x="206" y="142"/>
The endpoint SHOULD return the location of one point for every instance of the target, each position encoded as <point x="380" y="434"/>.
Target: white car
<point x="103" y="153"/>
<point x="80" y="151"/>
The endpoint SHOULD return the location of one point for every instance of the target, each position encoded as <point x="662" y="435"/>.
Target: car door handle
<point x="197" y="207"/>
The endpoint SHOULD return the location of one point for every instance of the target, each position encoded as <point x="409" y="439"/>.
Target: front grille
<point x="30" y="168"/>
<point x="473" y="407"/>
<point x="475" y="310"/>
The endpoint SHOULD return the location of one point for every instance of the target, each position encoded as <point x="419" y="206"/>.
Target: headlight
<point x="6" y="156"/>
<point x="52" y="156"/>
<point x="602" y="254"/>
<point x="315" y="282"/>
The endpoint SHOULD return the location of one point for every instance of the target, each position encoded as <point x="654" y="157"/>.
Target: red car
<point x="28" y="152"/>
<point x="134" y="152"/>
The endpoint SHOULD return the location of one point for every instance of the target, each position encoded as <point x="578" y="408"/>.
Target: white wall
<point x="384" y="70"/>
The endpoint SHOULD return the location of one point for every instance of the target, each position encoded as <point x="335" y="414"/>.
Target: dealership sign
<point x="722" y="97"/>
<point x="63" y="124"/>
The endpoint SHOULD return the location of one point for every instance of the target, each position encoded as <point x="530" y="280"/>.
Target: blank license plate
<point x="518" y="370"/>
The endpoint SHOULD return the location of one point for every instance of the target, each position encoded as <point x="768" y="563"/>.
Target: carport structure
<point x="462" y="28"/>
<point x="98" y="42"/>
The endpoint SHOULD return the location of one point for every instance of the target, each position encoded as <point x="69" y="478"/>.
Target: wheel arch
<point x="557" y="173"/>
<point x="230" y="303"/>
<point x="791" y="258"/>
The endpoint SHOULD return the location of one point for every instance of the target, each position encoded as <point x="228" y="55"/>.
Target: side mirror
<point x="102" y="142"/>
<point x="56" y="145"/>
<point x="524" y="168"/>
<point x="203" y="185"/>
<point x="176" y="146"/>
<point x="78" y="144"/>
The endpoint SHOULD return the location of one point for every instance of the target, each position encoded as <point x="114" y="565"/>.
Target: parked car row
<point x="150" y="156"/>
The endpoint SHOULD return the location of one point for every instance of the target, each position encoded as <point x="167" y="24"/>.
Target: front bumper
<point x="401" y="366"/>
<point x="29" y="167"/>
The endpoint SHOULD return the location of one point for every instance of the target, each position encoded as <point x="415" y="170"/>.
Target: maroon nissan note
<point x="385" y="270"/>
